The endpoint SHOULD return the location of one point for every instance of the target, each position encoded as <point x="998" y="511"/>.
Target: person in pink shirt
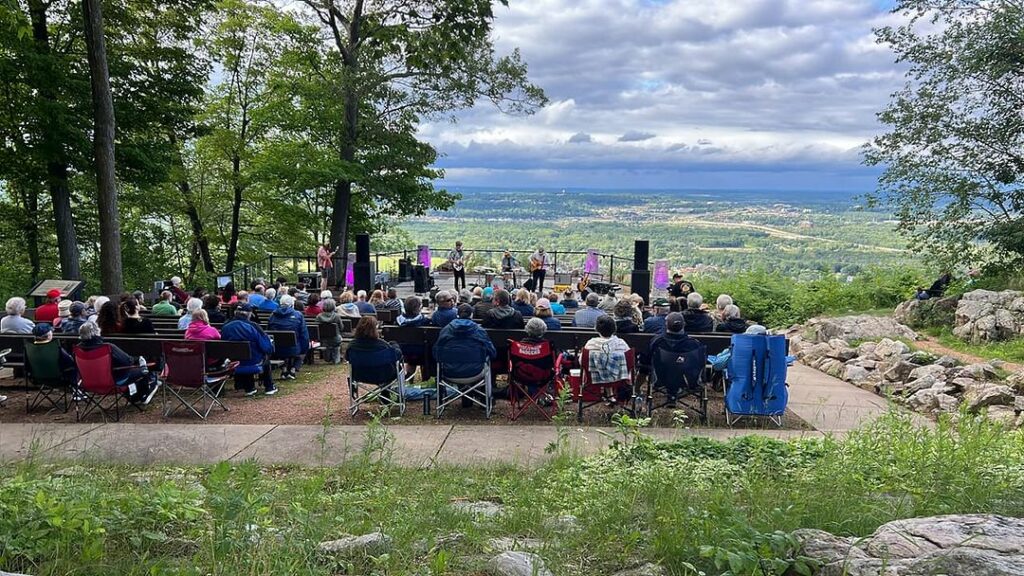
<point x="199" y="328"/>
<point x="325" y="261"/>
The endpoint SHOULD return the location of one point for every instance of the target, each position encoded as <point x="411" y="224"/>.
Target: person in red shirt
<point x="48" y="312"/>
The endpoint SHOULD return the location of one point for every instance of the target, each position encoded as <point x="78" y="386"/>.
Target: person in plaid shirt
<point x="607" y="353"/>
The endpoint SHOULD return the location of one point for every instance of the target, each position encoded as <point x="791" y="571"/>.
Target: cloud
<point x="636" y="136"/>
<point x="744" y="82"/>
<point x="580" y="138"/>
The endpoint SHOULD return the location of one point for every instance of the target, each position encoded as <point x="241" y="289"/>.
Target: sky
<point x="707" y="94"/>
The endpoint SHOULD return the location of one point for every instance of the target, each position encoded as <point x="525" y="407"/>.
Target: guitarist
<point x="325" y="263"/>
<point x="457" y="258"/>
<point x="538" y="269"/>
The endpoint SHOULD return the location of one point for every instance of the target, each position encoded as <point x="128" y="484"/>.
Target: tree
<point x="953" y="155"/>
<point x="111" y="274"/>
<point x="398" y="62"/>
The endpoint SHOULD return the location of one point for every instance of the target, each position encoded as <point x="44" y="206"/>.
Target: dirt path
<point x="930" y="344"/>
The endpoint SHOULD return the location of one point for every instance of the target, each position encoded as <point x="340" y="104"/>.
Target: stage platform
<point x="446" y="281"/>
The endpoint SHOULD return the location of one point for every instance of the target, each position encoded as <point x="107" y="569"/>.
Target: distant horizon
<point x="537" y="188"/>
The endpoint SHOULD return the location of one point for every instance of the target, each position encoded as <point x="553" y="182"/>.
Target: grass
<point x="685" y="505"/>
<point x="1009" y="351"/>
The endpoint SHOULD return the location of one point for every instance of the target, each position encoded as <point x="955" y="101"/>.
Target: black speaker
<point x="404" y="270"/>
<point x="310" y="279"/>
<point x="420" y="279"/>
<point x="641" y="255"/>
<point x="362" y="248"/>
<point x="640" y="284"/>
<point x="363" y="273"/>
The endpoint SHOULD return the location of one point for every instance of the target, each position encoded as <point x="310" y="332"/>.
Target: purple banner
<point x="423" y="255"/>
<point x="661" y="279"/>
<point x="350" y="274"/>
<point x="590" y="265"/>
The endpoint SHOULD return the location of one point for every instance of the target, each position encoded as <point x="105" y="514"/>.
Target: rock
<point x="840" y="350"/>
<point x="947" y="361"/>
<point x="850" y="328"/>
<point x="826" y="547"/>
<point x="1018" y="403"/>
<point x="1016" y="380"/>
<point x="2" y="573"/>
<point x="924" y="377"/>
<point x="979" y="371"/>
<point x="926" y="401"/>
<point x="986" y="316"/>
<point x="371" y="544"/>
<point x="424" y="546"/>
<point x="482" y="508"/>
<point x="506" y="544"/>
<point x="866" y="348"/>
<point x="866" y="363"/>
<point x="1004" y="415"/>
<point x="888" y="348"/>
<point x="648" y="569"/>
<point x="517" y="564"/>
<point x="947" y="403"/>
<point x="921" y="358"/>
<point x="924" y="313"/>
<point x="854" y="373"/>
<point x="962" y="384"/>
<point x="983" y="394"/>
<point x="564" y="523"/>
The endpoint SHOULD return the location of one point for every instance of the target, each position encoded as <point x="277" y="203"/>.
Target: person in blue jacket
<point x="287" y="318"/>
<point x="242" y="329"/>
<point x="445" y="312"/>
<point x="463" y="348"/>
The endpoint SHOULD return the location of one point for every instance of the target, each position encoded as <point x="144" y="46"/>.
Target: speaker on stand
<point x="362" y="270"/>
<point x="640" y="280"/>
<point x="421" y="279"/>
<point x="641" y="254"/>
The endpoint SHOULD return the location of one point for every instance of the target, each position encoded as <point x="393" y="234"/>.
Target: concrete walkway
<point x="830" y="405"/>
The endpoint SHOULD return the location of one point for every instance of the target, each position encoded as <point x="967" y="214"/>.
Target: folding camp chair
<point x="363" y="387"/>
<point x="469" y="389"/>
<point x="185" y="377"/>
<point x="531" y="366"/>
<point x="590" y="393"/>
<point x="685" y="367"/>
<point x="97" y="388"/>
<point x="43" y="370"/>
<point x="756" y="378"/>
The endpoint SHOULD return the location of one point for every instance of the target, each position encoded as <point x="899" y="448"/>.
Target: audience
<point x="412" y="316"/>
<point x="656" y="323"/>
<point x="228" y="294"/>
<point x="191" y="306"/>
<point x="63" y="312"/>
<point x="179" y="292"/>
<point x="556" y="308"/>
<point x="97" y="303"/>
<point x="372" y="360"/>
<point x="140" y="299"/>
<point x="697" y="319"/>
<point x="445" y="311"/>
<point x="269" y="302"/>
<point x="721" y="302"/>
<point x="544" y="313"/>
<point x="608" y="303"/>
<point x="502" y="314"/>
<point x="132" y="321"/>
<point x="15" y="322"/>
<point x="377" y="300"/>
<point x="364" y="306"/>
<point x="731" y="321"/>
<point x="481" y="308"/>
<point x="522" y="303"/>
<point x="43" y="334"/>
<point x="302" y="295"/>
<point x="639" y="312"/>
<point x="348" y="308"/>
<point x="212" y="305"/>
<point x="199" y="328"/>
<point x="329" y="315"/>
<point x="313" y="307"/>
<point x="393" y="303"/>
<point x="535" y="330"/>
<point x="243" y="329"/>
<point x="163" y="307"/>
<point x="607" y="356"/>
<point x="674" y="339"/>
<point x="108" y="318"/>
<point x="49" y="311"/>
<point x="568" y="301"/>
<point x="587" y="317"/>
<point x="463" y="348"/>
<point x="285" y="317"/>
<point x="126" y="369"/>
<point x="258" y="296"/>
<point x="625" y="322"/>
<point x="75" y="319"/>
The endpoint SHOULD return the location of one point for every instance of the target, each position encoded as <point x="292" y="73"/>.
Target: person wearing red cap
<point x="50" y="311"/>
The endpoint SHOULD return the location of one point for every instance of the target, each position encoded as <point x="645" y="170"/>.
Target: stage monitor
<point x="224" y="280"/>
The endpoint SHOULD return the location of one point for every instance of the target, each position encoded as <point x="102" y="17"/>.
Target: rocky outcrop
<point x="956" y="544"/>
<point x="986" y="316"/>
<point x="925" y="313"/>
<point x="855" y="328"/>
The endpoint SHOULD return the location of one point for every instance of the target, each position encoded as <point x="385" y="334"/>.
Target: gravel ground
<point x="320" y="392"/>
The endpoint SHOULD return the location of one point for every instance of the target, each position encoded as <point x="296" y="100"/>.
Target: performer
<point x="508" y="267"/>
<point x="457" y="258"/>
<point x="325" y="263"/>
<point x="538" y="268"/>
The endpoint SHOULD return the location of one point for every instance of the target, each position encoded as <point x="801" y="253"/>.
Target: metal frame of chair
<point x="42" y="368"/>
<point x="698" y="389"/>
<point x="96" y="384"/>
<point x="185" y="376"/>
<point x="391" y="394"/>
<point x="449" y="391"/>
<point x="585" y="397"/>
<point x="3" y="360"/>
<point x="519" y="396"/>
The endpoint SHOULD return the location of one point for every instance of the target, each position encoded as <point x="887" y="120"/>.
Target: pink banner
<point x="423" y="255"/>
<point x="590" y="265"/>
<point x="350" y="274"/>
<point x="661" y="279"/>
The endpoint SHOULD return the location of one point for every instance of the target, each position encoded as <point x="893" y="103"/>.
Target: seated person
<point x="64" y="311"/>
<point x="938" y="288"/>
<point x="15" y="322"/>
<point x="656" y="324"/>
<point x="625" y="323"/>
<point x="347" y="306"/>
<point x="132" y="321"/>
<point x="301" y="295"/>
<point x="140" y="298"/>
<point x="126" y="369"/>
<point x="199" y="328"/>
<point x="481" y="308"/>
<point x="49" y="311"/>
<point x="43" y="334"/>
<point x="377" y="300"/>
<point x="269" y="302"/>
<point x="75" y="319"/>
<point x="503" y="315"/>
<point x="108" y="318"/>
<point x="697" y="319"/>
<point x="445" y="311"/>
<point x="587" y="317"/>
<point x="259" y="294"/>
<point x="164" y="307"/>
<point x="608" y="303"/>
<point x="191" y="306"/>
<point x="607" y="352"/>
<point x="178" y="290"/>
<point x="639" y="312"/>
<point x="329" y="315"/>
<point x="543" y="312"/>
<point x="412" y="316"/>
<point x="556" y="307"/>
<point x="313" y="307"/>
<point x="373" y="361"/>
<point x="243" y="329"/>
<point x="522" y="303"/>
<point x="680" y="288"/>
<point x="228" y="294"/>
<point x="731" y="322"/>
<point x="665" y="348"/>
<point x="285" y="317"/>
<point x="364" y="306"/>
<point x="463" y="348"/>
<point x="212" y="305"/>
<point x="721" y="302"/>
<point x="535" y="331"/>
<point x="392" y="303"/>
<point x="569" y="301"/>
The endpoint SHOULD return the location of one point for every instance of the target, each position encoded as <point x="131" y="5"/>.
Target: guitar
<point x="459" y="263"/>
<point x="537" y="264"/>
<point x="584" y="282"/>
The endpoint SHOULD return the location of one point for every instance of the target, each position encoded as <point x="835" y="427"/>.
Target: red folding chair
<point x="97" y="388"/>
<point x="185" y="377"/>
<point x="590" y="393"/>
<point x="531" y="366"/>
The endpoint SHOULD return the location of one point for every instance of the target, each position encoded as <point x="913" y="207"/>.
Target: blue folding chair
<point x="756" y="378"/>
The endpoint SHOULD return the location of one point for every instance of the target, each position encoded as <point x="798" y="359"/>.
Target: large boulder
<point x="926" y="313"/>
<point x="976" y="545"/>
<point x="986" y="316"/>
<point x="858" y="328"/>
<point x="981" y="394"/>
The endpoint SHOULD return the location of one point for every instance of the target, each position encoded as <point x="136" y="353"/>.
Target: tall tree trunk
<point x="198" y="230"/>
<point x="236" y="211"/>
<point x="29" y="199"/>
<point x="342" y="205"/>
<point x="111" y="273"/>
<point x="56" y="164"/>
